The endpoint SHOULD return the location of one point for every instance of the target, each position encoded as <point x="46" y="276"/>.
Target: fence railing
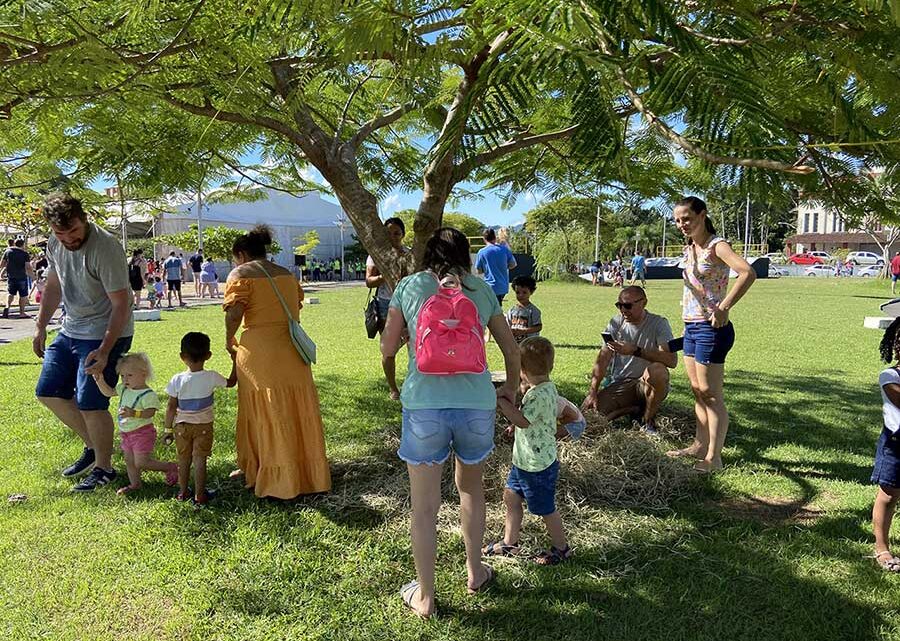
<point x="673" y="251"/>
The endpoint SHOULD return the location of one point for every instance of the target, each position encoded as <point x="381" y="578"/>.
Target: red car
<point x="805" y="259"/>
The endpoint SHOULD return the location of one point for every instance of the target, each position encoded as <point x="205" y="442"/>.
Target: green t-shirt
<point x="427" y="391"/>
<point x="136" y="399"/>
<point x="535" y="446"/>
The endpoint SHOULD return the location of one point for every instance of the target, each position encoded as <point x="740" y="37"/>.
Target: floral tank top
<point x="705" y="282"/>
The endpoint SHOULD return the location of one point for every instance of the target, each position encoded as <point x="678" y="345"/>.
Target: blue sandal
<point x="500" y="548"/>
<point x="554" y="556"/>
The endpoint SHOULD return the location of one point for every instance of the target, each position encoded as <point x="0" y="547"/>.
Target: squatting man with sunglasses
<point x="636" y="343"/>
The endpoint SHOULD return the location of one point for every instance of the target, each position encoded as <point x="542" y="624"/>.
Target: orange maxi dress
<point x="279" y="437"/>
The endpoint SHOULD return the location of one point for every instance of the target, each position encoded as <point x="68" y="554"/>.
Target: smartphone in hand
<point x="607" y="337"/>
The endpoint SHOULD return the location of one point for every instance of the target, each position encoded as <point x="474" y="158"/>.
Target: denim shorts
<point x="63" y="375"/>
<point x="575" y="429"/>
<point x="428" y="436"/>
<point x="537" y="488"/>
<point x="707" y="344"/>
<point x="887" y="459"/>
<point x="17" y="287"/>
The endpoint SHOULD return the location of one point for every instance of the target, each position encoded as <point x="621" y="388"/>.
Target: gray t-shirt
<point x="173" y="267"/>
<point x="654" y="331"/>
<point x="87" y="275"/>
<point x="526" y="317"/>
<point x="16" y="259"/>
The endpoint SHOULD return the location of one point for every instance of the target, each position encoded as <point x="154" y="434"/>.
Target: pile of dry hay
<point x="605" y="469"/>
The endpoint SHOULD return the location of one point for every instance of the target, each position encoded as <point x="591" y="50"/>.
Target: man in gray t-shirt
<point x="15" y="264"/>
<point x="88" y="274"/>
<point x="637" y="356"/>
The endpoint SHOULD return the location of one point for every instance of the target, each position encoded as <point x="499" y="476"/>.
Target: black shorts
<point x="174" y="285"/>
<point x="136" y="284"/>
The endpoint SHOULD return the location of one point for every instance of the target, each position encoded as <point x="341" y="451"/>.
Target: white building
<point x="819" y="228"/>
<point x="290" y="217"/>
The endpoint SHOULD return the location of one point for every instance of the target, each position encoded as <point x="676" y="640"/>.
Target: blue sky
<point x="487" y="209"/>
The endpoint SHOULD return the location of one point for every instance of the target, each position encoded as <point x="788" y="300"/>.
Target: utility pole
<point x="123" y="223"/>
<point x="747" y="229"/>
<point x="340" y="224"/>
<point x="200" y="216"/>
<point x="664" y="236"/>
<point x="597" y="236"/>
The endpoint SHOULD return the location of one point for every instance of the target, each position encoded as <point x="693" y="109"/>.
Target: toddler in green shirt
<point x="535" y="467"/>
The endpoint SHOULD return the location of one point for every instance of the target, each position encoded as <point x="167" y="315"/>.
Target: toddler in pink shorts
<point x="138" y="405"/>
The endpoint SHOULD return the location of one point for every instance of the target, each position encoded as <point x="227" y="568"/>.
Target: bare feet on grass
<point x="707" y="466"/>
<point x="695" y="450"/>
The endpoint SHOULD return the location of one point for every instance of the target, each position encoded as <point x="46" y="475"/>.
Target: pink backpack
<point x="449" y="334"/>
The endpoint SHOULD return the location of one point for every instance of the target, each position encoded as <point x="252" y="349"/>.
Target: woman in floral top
<point x="708" y="333"/>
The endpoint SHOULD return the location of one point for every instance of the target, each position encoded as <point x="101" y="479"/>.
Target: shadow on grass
<point x="593" y="348"/>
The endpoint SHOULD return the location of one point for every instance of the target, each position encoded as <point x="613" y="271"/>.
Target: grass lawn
<point x="772" y="548"/>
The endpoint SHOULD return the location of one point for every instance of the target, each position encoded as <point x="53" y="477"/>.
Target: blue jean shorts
<point x="887" y="459"/>
<point x="17" y="287"/>
<point x="63" y="375"/>
<point x="707" y="344"/>
<point x="537" y="488"/>
<point x="575" y="429"/>
<point x="428" y="436"/>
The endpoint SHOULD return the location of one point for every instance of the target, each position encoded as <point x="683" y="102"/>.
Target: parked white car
<point x="865" y="258"/>
<point x="828" y="258"/>
<point x="777" y="272"/>
<point x="775" y="257"/>
<point x="871" y="271"/>
<point x="819" y="270"/>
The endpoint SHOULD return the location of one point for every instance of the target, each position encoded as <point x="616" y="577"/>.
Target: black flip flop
<point x="491" y="575"/>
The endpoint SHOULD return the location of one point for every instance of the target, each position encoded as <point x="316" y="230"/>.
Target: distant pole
<point x="122" y="220"/>
<point x="200" y="217"/>
<point x="664" y="236"/>
<point x="597" y="237"/>
<point x="747" y="229"/>
<point x="340" y="224"/>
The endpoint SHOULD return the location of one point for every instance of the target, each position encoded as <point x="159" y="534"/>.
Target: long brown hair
<point x="697" y="206"/>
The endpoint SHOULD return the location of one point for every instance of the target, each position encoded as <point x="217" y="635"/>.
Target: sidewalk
<point x="15" y="328"/>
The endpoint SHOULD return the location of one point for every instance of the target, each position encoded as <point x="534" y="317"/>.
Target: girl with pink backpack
<point x="449" y="402"/>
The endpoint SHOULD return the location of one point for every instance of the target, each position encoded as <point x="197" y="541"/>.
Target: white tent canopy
<point x="290" y="217"/>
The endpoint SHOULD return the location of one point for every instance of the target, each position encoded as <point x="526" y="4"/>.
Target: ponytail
<point x="447" y="252"/>
<point x="253" y="243"/>
<point x="888" y="346"/>
<point x="697" y="206"/>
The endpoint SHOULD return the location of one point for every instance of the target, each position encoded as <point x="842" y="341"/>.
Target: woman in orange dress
<point x="279" y="437"/>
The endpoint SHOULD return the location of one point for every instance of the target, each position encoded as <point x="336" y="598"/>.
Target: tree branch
<point x="343" y="119"/>
<point x="695" y="150"/>
<point x="479" y="160"/>
<point x="239" y="170"/>
<point x="439" y="25"/>
<point x="384" y="120"/>
<point x="209" y="111"/>
<point x="715" y="40"/>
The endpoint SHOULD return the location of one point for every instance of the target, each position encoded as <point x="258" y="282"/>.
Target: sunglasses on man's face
<point x="622" y="305"/>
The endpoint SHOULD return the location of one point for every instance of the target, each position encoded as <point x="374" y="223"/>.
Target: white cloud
<point x="391" y="204"/>
<point x="312" y="175"/>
